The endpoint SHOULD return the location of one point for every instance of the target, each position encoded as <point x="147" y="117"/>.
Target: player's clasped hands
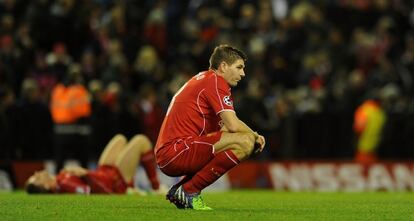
<point x="261" y="142"/>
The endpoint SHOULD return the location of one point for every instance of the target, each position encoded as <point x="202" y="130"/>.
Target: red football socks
<point x="148" y="162"/>
<point x="218" y="166"/>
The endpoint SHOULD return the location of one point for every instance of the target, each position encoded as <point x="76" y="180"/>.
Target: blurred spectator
<point x="89" y="65"/>
<point x="36" y="126"/>
<point x="7" y="24"/>
<point x="368" y="126"/>
<point x="115" y="63"/>
<point x="71" y="109"/>
<point x="147" y="67"/>
<point x="312" y="63"/>
<point x="119" y="113"/>
<point x="10" y="68"/>
<point x="42" y="73"/>
<point x="155" y="29"/>
<point x="8" y="123"/>
<point x="58" y="61"/>
<point x="99" y="113"/>
<point x="39" y="17"/>
<point x="151" y="112"/>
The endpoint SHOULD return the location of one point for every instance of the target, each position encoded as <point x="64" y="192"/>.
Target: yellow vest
<point x="369" y="120"/>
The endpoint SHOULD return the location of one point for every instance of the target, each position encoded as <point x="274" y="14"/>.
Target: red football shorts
<point x="187" y="156"/>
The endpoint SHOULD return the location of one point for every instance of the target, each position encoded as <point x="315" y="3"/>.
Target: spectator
<point x="151" y="112"/>
<point x="320" y="58"/>
<point x="8" y="123"/>
<point x="368" y="125"/>
<point x="36" y="126"/>
<point x="71" y="109"/>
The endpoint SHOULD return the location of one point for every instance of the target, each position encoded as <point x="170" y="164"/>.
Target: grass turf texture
<point x="233" y="205"/>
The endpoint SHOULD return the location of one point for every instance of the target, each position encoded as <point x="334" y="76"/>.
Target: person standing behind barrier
<point x="70" y="107"/>
<point x="369" y="121"/>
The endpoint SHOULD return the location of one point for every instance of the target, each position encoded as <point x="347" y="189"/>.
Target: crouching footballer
<point x="201" y="137"/>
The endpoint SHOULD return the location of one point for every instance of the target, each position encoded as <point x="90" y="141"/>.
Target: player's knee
<point x="250" y="147"/>
<point x="247" y="141"/>
<point x="240" y="153"/>
<point x="140" y="137"/>
<point x="246" y="144"/>
<point x="243" y="153"/>
<point x="142" y="140"/>
<point x="120" y="137"/>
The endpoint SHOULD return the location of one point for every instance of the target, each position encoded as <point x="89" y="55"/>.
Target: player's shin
<point x="218" y="166"/>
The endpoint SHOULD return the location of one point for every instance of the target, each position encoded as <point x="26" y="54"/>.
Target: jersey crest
<point x="227" y="100"/>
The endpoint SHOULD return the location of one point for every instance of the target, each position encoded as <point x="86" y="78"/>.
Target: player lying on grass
<point x="201" y="137"/>
<point x="116" y="168"/>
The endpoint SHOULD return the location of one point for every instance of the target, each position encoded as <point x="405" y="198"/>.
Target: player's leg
<point x="185" y="157"/>
<point x="127" y="160"/>
<point x="112" y="149"/>
<point x="241" y="144"/>
<point x="147" y="161"/>
<point x="229" y="151"/>
<point x="171" y="194"/>
<point x="209" y="157"/>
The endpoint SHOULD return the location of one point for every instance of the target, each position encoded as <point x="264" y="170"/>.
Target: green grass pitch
<point x="232" y="205"/>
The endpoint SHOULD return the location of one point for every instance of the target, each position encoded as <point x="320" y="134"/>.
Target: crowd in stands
<point x="311" y="64"/>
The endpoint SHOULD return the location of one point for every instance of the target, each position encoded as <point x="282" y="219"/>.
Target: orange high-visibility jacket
<point x="70" y="103"/>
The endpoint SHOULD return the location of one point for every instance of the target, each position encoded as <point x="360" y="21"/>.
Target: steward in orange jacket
<point x="70" y="107"/>
<point x="69" y="103"/>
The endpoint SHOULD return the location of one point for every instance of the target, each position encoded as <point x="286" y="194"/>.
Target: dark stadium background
<point x="311" y="63"/>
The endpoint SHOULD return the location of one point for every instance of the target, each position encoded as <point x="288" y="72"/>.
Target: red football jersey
<point x="194" y="109"/>
<point x="105" y="179"/>
<point x="69" y="183"/>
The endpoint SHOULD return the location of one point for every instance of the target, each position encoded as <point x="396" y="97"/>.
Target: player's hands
<point x="260" y="143"/>
<point x="224" y="128"/>
<point x="76" y="170"/>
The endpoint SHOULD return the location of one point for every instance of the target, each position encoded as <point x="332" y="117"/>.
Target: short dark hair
<point x="227" y="54"/>
<point x="35" y="189"/>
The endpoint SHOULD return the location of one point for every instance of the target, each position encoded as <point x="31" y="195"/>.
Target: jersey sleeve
<point x="218" y="95"/>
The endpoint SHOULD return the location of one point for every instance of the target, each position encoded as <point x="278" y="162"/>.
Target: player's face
<point x="234" y="73"/>
<point x="43" y="179"/>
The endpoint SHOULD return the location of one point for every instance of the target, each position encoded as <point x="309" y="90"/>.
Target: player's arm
<point x="76" y="170"/>
<point x="233" y="124"/>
